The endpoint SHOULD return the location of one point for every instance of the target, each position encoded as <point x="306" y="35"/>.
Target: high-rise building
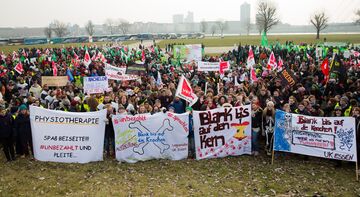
<point x="178" y="18"/>
<point x="189" y="18"/>
<point x="245" y="13"/>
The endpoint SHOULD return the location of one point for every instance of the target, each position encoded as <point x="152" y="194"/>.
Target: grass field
<point x="256" y="39"/>
<point x="290" y="175"/>
<point x="10" y="49"/>
<point x="227" y="41"/>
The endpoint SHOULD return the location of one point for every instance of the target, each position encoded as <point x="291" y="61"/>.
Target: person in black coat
<point x="109" y="140"/>
<point x="7" y="134"/>
<point x="23" y="129"/>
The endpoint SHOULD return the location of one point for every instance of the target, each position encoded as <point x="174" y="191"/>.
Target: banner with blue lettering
<point x="144" y="136"/>
<point x="328" y="137"/>
<point x="93" y="85"/>
<point x="222" y="132"/>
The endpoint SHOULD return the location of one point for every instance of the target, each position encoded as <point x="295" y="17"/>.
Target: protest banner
<point x="54" y="81"/>
<point x="116" y="73"/>
<point x="222" y="132"/>
<point x="93" y="85"/>
<point x="208" y="66"/>
<point x="287" y="78"/>
<point x="188" y="52"/>
<point x="136" y="69"/>
<point x="66" y="136"/>
<point x="327" y="137"/>
<point x="318" y="52"/>
<point x="144" y="136"/>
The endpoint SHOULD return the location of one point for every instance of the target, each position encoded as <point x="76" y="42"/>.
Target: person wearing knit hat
<point x="22" y="107"/>
<point x="23" y="130"/>
<point x="171" y="109"/>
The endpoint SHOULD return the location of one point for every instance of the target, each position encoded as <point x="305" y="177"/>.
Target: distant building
<point x="178" y="18"/>
<point x="245" y="13"/>
<point x="189" y="18"/>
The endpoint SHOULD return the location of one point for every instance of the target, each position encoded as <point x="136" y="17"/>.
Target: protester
<point x="7" y="134"/>
<point x="256" y="121"/>
<point x="310" y="94"/>
<point x="23" y="130"/>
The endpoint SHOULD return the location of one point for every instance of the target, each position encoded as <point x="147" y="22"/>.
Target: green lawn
<point x="256" y="39"/>
<point x="216" y="41"/>
<point x="232" y="176"/>
<point x="10" y="49"/>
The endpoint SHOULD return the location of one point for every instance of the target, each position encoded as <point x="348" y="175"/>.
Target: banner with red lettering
<point x="222" y="132"/>
<point x="328" y="137"/>
<point x="144" y="136"/>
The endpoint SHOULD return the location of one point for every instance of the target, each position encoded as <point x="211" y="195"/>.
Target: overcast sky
<point x="39" y="13"/>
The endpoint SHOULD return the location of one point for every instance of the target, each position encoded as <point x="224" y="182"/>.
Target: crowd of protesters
<point x="311" y="95"/>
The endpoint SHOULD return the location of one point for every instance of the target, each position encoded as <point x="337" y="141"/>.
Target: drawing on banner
<point x="240" y="130"/>
<point x="222" y="132"/>
<point x="145" y="136"/>
<point x="329" y="137"/>
<point x="346" y="138"/>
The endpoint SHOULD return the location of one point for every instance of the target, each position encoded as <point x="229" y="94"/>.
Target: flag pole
<point x="273" y="150"/>
<point x="357" y="171"/>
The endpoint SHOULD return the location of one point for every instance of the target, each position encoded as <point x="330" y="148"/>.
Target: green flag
<point x="264" y="40"/>
<point x="53" y="57"/>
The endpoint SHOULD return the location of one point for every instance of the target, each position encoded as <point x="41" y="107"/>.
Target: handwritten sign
<point x="222" y="132"/>
<point x="94" y="85"/>
<point x="67" y="137"/>
<point x="328" y="137"/>
<point x="54" y="81"/>
<point x="117" y="73"/>
<point x="208" y="66"/>
<point x="287" y="78"/>
<point x="144" y="136"/>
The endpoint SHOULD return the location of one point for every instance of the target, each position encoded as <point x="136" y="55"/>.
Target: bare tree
<point x="203" y="26"/>
<point x="89" y="27"/>
<point x="320" y="21"/>
<point x="59" y="28"/>
<point x="110" y="26"/>
<point x="266" y="16"/>
<point x="124" y="26"/>
<point x="213" y="30"/>
<point x="222" y="25"/>
<point x="48" y="32"/>
<point x="357" y="21"/>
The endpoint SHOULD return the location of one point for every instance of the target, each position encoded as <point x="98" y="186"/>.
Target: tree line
<point x="266" y="19"/>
